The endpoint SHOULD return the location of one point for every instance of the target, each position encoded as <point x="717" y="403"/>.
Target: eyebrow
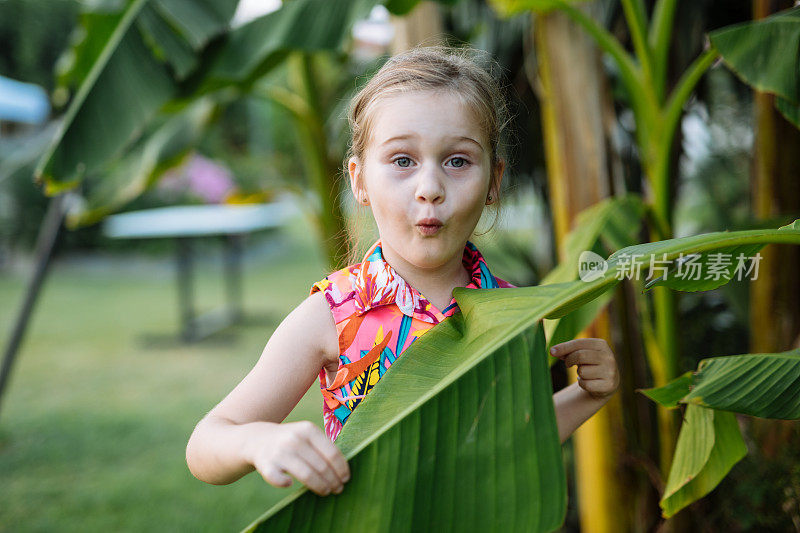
<point x="409" y="136"/>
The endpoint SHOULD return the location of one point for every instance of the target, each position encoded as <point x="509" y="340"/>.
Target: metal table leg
<point x="185" y="289"/>
<point x="233" y="275"/>
<point x="195" y="327"/>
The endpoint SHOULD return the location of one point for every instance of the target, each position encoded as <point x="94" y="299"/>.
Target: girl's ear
<point x="355" y="170"/>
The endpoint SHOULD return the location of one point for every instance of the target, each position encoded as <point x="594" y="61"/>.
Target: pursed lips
<point x="430" y="222"/>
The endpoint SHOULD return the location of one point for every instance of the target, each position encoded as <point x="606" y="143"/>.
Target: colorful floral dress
<point x="378" y="315"/>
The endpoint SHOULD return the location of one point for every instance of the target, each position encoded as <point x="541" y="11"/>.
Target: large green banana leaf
<point x="403" y="7"/>
<point x="165" y="54"/>
<point x="788" y="110"/>
<point x="766" y="385"/>
<point x="764" y="54"/>
<point x="96" y="28"/>
<point x="708" y="270"/>
<point x="452" y="419"/>
<point x="462" y="437"/>
<point x="152" y="48"/>
<point x="252" y="50"/>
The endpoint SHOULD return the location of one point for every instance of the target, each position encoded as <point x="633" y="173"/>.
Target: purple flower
<point x="200" y="177"/>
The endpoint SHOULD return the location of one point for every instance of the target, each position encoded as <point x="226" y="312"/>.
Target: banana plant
<point x="460" y="434"/>
<point x="763" y="53"/>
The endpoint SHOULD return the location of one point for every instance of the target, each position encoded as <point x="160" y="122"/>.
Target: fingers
<point x="594" y="372"/>
<point x="596" y="387"/>
<point x="565" y="348"/>
<point x="305" y="472"/>
<point x="275" y="476"/>
<point x="582" y="357"/>
<point x="328" y="467"/>
<point x="330" y="454"/>
<point x="596" y="364"/>
<point x="331" y="482"/>
<point x="302" y="450"/>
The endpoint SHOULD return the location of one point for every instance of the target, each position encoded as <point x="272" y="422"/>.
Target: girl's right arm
<point x="244" y="431"/>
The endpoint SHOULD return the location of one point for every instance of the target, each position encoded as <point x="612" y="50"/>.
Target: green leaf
<point x="708" y="270"/>
<point x="616" y="220"/>
<point x="404" y="7"/>
<point x="197" y="21"/>
<point x="632" y="260"/>
<point x="619" y="263"/>
<point x="670" y="394"/>
<point x="253" y="49"/>
<point x="789" y="110"/>
<point x="131" y="79"/>
<point x="85" y="138"/>
<point x="766" y="385"/>
<point x="764" y="53"/>
<point x="709" y="444"/>
<point x="460" y="433"/>
<point x="160" y="57"/>
<point x="128" y="177"/>
<point x="400" y="7"/>
<point x="570" y="326"/>
<point x="763" y="385"/>
<point x="794" y="226"/>
<point x="166" y="43"/>
<point x="87" y="42"/>
<point x="507" y="8"/>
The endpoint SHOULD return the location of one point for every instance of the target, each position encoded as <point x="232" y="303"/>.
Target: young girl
<point x="425" y="157"/>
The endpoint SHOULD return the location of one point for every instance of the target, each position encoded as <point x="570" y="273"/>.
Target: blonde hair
<point x="464" y="72"/>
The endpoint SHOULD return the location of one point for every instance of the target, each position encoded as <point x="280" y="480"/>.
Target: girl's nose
<point x="430" y="186"/>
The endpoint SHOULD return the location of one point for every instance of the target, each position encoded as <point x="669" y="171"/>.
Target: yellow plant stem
<point x="596" y="457"/>
<point x="602" y="496"/>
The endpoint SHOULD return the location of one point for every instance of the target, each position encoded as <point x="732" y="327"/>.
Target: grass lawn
<point x="94" y="424"/>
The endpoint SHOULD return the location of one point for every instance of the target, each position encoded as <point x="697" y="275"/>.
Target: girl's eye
<point x="404" y="158"/>
<point x="462" y="162"/>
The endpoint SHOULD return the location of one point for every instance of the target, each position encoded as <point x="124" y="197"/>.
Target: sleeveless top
<point x="378" y="315"/>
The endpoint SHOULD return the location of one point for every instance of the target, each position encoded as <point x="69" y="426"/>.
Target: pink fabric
<point x="378" y="315"/>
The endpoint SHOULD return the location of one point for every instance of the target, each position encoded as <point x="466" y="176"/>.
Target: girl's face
<point x="426" y="176"/>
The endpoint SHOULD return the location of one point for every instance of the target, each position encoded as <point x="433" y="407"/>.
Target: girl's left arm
<point x="598" y="380"/>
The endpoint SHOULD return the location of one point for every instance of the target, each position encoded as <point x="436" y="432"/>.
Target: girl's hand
<point x="301" y="449"/>
<point x="597" y="366"/>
